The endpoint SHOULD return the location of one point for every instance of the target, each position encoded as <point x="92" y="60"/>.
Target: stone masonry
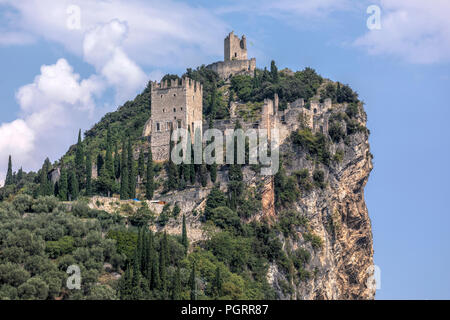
<point x="235" y="58"/>
<point x="175" y="104"/>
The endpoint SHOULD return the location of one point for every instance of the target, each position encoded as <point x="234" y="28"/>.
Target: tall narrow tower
<point x="235" y="48"/>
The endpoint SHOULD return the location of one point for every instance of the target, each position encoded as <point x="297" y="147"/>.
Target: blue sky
<point x="58" y="75"/>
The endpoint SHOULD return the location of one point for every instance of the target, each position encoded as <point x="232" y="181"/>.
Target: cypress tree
<point x="155" y="282"/>
<point x="136" y="279"/>
<point x="46" y="187"/>
<point x="184" y="238"/>
<point x="9" y="174"/>
<point x="213" y="167"/>
<point x="20" y="175"/>
<point x="88" y="174"/>
<point x="116" y="162"/>
<point x="217" y="284"/>
<point x="149" y="184"/>
<point x="163" y="259"/>
<point x="172" y="169"/>
<point x="73" y="186"/>
<point x="63" y="184"/>
<point x="176" y="293"/>
<point x="100" y="164"/>
<point x="141" y="165"/>
<point x="150" y="255"/>
<point x="193" y="283"/>
<point x="124" y="174"/>
<point x="109" y="162"/>
<point x="274" y="72"/>
<point x="79" y="161"/>
<point x="131" y="172"/>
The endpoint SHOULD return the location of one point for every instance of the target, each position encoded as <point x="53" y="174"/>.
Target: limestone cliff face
<point x="338" y="215"/>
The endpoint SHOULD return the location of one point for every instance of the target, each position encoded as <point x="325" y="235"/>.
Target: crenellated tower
<point x="174" y="104"/>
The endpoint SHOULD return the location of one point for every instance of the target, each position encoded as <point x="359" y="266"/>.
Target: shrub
<point x="315" y="240"/>
<point x="319" y="178"/>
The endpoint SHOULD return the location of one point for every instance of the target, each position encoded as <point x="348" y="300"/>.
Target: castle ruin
<point x="175" y="104"/>
<point x="235" y="58"/>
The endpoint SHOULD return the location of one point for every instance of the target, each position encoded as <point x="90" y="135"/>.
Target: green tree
<point x="193" y="282"/>
<point x="116" y="161"/>
<point x="124" y="195"/>
<point x="63" y="184"/>
<point x="131" y="171"/>
<point x="163" y="261"/>
<point x="46" y="186"/>
<point x="217" y="284"/>
<point x="184" y="237"/>
<point x="73" y="186"/>
<point x="150" y="183"/>
<point x="274" y="72"/>
<point x="88" y="174"/>
<point x="141" y="165"/>
<point x="109" y="162"/>
<point x="79" y="161"/>
<point x="176" y="293"/>
<point x="9" y="174"/>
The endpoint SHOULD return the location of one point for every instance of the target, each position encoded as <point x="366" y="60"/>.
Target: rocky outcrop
<point x="341" y="269"/>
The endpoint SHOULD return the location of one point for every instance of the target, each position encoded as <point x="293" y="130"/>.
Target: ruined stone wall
<point x="226" y="69"/>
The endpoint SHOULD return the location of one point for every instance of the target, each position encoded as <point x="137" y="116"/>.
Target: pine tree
<point x="124" y="174"/>
<point x="149" y="184"/>
<point x="9" y="174"/>
<point x="176" y="293"/>
<point x="79" y="161"/>
<point x="63" y="184"/>
<point x="88" y="175"/>
<point x="73" y="186"/>
<point x="203" y="175"/>
<point x="184" y="238"/>
<point x="193" y="283"/>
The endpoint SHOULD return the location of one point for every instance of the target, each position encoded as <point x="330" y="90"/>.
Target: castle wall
<point x="226" y="69"/>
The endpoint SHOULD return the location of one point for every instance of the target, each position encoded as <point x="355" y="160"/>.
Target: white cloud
<point x="102" y="48"/>
<point x="53" y="107"/>
<point x="288" y="9"/>
<point x="116" y="37"/>
<point x="15" y="38"/>
<point x="415" y="30"/>
<point x="160" y="33"/>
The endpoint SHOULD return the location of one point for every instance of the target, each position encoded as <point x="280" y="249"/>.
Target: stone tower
<point x="235" y="48"/>
<point x="235" y="58"/>
<point x="175" y="104"/>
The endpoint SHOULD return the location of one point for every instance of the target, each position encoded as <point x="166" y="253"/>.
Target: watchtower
<point x="175" y="104"/>
<point x="235" y="48"/>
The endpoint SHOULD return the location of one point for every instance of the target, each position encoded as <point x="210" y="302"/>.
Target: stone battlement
<point x="185" y="83"/>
